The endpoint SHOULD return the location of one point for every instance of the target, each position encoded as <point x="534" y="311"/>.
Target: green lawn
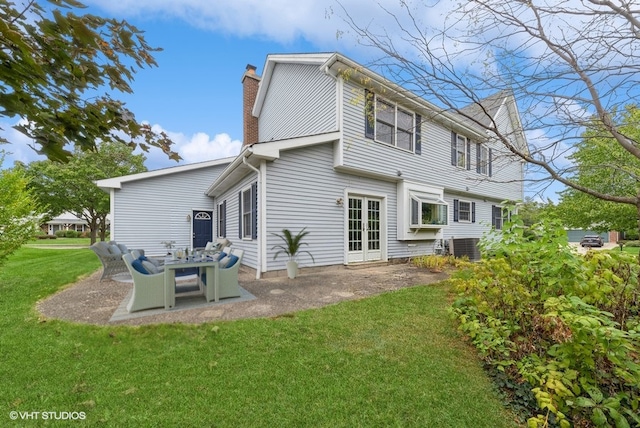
<point x="390" y="360"/>
<point x="66" y="242"/>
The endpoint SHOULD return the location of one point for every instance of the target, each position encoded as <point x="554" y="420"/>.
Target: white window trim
<point x="430" y="198"/>
<point x="461" y="139"/>
<point x="221" y="218"/>
<point x="246" y="237"/>
<point x="460" y="202"/>
<point x="395" y="106"/>
<point x="484" y="159"/>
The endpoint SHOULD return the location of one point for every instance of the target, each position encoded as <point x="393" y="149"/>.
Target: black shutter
<point x="240" y="215"/>
<point x="478" y="157"/>
<point x="224" y="219"/>
<point x="369" y="118"/>
<point x="473" y="212"/>
<point x="490" y="161"/>
<point x="456" y="208"/>
<point x="254" y="210"/>
<point x="418" y="134"/>
<point x="453" y="149"/>
<point x="468" y="155"/>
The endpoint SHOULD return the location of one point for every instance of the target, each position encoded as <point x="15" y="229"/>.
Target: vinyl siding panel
<point x="433" y="165"/>
<point x="249" y="246"/>
<point x="152" y="210"/>
<point x="302" y="192"/>
<point x="302" y="189"/>
<point x="301" y="100"/>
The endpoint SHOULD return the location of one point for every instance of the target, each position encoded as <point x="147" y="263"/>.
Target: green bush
<point x="566" y="325"/>
<point x="60" y="233"/>
<point x="71" y="234"/>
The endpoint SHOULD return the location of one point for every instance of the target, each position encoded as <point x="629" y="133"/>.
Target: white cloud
<point x="19" y="147"/>
<point x="279" y="20"/>
<point x="198" y="147"/>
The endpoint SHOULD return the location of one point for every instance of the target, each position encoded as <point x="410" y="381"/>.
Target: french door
<point x="364" y="229"/>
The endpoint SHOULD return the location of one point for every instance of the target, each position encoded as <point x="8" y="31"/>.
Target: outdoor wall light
<point x="188" y="217"/>
<point x="339" y="202"/>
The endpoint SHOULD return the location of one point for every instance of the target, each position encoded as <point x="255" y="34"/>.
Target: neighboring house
<point x="66" y="221"/>
<point x="389" y="178"/>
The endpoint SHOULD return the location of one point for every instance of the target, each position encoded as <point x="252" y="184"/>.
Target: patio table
<point x="210" y="267"/>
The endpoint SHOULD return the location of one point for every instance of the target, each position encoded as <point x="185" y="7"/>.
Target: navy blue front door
<point x="202" y="228"/>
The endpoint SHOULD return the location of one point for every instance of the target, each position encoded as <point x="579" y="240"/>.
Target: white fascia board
<point x="116" y="182"/>
<point x="266" y="151"/>
<point x="269" y="66"/>
<point x="271" y="150"/>
<point x="339" y="64"/>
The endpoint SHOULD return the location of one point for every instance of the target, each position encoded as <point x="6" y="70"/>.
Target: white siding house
<point x="373" y="172"/>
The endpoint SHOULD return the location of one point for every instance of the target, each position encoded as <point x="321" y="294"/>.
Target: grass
<point x="74" y="242"/>
<point x="390" y="360"/>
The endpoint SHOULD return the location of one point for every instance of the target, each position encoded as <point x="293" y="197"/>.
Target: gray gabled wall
<point x="148" y="211"/>
<point x="301" y="100"/>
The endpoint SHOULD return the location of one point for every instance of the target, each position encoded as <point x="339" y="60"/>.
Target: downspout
<point x="261" y="214"/>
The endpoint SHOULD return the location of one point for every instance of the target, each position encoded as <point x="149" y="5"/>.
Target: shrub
<point x="71" y="234"/>
<point x="566" y="324"/>
<point x="60" y="233"/>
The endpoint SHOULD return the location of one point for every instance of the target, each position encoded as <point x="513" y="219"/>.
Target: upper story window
<point x="460" y="151"/>
<point x="483" y="159"/>
<point x="388" y="123"/>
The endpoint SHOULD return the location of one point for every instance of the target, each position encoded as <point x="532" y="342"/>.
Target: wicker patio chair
<point x="228" y="279"/>
<point x="148" y="289"/>
<point x="111" y="260"/>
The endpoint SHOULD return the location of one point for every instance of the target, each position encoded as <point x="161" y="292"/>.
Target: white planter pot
<point x="292" y="269"/>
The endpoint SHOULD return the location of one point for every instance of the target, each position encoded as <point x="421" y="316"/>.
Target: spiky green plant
<point x="292" y="244"/>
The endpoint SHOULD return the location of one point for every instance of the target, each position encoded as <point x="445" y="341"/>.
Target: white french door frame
<point x="369" y="200"/>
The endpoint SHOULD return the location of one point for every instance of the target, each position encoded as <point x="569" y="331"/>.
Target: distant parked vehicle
<point x="591" y="241"/>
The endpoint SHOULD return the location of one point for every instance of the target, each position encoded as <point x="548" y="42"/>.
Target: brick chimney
<point x="250" y="82"/>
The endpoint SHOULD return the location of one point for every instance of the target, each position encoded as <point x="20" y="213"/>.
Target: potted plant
<point x="291" y="247"/>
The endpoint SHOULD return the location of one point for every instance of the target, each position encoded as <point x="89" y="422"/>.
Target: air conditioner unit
<point x="461" y="247"/>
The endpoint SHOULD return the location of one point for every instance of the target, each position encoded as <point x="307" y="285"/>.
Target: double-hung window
<point x="246" y="214"/>
<point x="247" y="202"/>
<point x="390" y="124"/>
<point x="460" y="151"/>
<point x="222" y="219"/>
<point x="496" y="217"/>
<point x="464" y="211"/>
<point x="483" y="159"/>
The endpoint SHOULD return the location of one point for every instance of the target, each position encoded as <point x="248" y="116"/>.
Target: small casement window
<point x="428" y="212"/>
<point x="222" y="219"/>
<point x="460" y="151"/>
<point x="464" y="211"/>
<point x="389" y="124"/>
<point x="483" y="159"/>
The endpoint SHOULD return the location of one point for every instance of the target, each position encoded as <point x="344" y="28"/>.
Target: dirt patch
<point x="93" y="302"/>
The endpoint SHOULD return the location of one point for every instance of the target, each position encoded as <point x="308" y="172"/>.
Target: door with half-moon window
<point x="202" y="228"/>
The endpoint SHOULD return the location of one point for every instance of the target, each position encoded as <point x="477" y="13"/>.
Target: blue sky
<point x="195" y="94"/>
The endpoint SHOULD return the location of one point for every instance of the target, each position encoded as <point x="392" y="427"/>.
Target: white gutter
<point x="261" y="212"/>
